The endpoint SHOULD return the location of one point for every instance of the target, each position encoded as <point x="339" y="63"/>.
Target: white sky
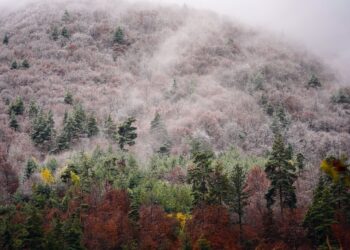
<point x="323" y="26"/>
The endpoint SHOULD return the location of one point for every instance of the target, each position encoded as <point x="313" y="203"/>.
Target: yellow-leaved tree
<point x="47" y="176"/>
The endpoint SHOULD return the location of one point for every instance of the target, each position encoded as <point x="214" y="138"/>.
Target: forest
<point x="133" y="126"/>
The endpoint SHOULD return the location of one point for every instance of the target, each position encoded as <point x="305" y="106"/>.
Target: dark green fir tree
<point x="55" y="34"/>
<point x="92" y="128"/>
<point x="239" y="194"/>
<point x="16" y="107"/>
<point x="6" y="39"/>
<point x="281" y="173"/>
<point x="25" y="64"/>
<point x="126" y="133"/>
<point x="320" y="215"/>
<point x="68" y="98"/>
<point x="314" y="82"/>
<point x="218" y="185"/>
<point x="65" y="33"/>
<point x="199" y="176"/>
<point x="14" y="65"/>
<point x="13" y="122"/>
<point x="119" y="36"/>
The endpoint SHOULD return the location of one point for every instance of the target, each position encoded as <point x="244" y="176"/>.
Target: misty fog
<point x="319" y="25"/>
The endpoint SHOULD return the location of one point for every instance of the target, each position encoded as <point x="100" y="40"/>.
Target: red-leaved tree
<point x="157" y="230"/>
<point x="107" y="226"/>
<point x="212" y="225"/>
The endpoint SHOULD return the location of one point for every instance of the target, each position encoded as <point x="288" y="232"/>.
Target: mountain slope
<point x="206" y="76"/>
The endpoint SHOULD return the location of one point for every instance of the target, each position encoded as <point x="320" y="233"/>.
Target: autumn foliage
<point x="157" y="230"/>
<point x="212" y="223"/>
<point x="8" y="176"/>
<point x="107" y="226"/>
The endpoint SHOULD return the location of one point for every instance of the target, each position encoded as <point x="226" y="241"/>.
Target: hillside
<point x="222" y="71"/>
<point x="138" y="126"/>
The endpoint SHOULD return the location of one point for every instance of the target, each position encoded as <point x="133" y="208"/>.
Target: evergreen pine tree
<point x="42" y="131"/>
<point x="69" y="132"/>
<point x="6" y="39"/>
<point x="239" y="194"/>
<point x="68" y="98"/>
<point x="34" y="226"/>
<point x="119" y="36"/>
<point x="65" y="117"/>
<point x="159" y="133"/>
<point x="62" y="142"/>
<point x="164" y="150"/>
<point x="79" y="116"/>
<point x="52" y="165"/>
<point x="13" y="122"/>
<point x="33" y="109"/>
<point x="110" y="127"/>
<point x="218" y="185"/>
<point x="269" y="109"/>
<point x="72" y="232"/>
<point x="289" y="152"/>
<point x="300" y="161"/>
<point x="16" y="107"/>
<point x="66" y="16"/>
<point x="314" y="82"/>
<point x="320" y="215"/>
<point x="92" y="128"/>
<point x="126" y="133"/>
<point x="65" y="33"/>
<point x="174" y="88"/>
<point x="55" y="239"/>
<point x="55" y="34"/>
<point x="270" y="232"/>
<point x="30" y="168"/>
<point x="25" y="64"/>
<point x="14" y="65"/>
<point x="199" y="176"/>
<point x="281" y="173"/>
<point x="155" y="123"/>
<point x="11" y="234"/>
